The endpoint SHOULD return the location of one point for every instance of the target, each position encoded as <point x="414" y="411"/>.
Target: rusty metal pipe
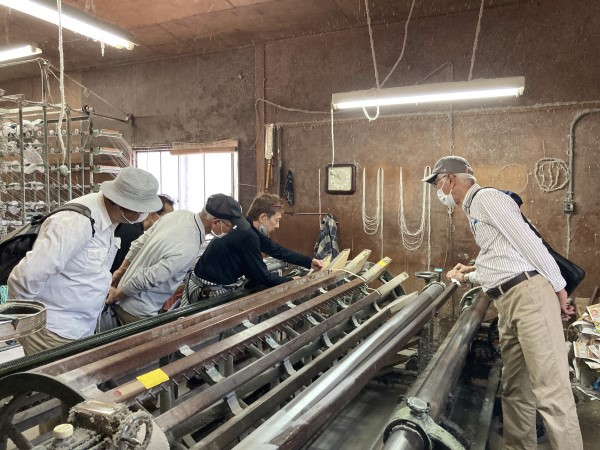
<point x="436" y="382"/>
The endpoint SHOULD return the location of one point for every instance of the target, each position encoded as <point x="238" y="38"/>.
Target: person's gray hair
<point x="466" y="178"/>
<point x="204" y="214"/>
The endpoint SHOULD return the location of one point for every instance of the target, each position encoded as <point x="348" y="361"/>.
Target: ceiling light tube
<point x="74" y="20"/>
<point x="21" y="51"/>
<point x="427" y="93"/>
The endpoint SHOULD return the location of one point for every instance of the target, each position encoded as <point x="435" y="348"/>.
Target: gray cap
<point x="133" y="189"/>
<point x="226" y="207"/>
<point x="449" y="164"/>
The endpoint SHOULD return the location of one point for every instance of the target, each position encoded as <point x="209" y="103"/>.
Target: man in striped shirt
<point x="517" y="272"/>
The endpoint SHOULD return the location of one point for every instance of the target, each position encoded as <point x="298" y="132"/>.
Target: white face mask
<point x="220" y="235"/>
<point x="142" y="217"/>
<point x="446" y="199"/>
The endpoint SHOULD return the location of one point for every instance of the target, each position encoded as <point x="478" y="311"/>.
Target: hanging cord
<point x="86" y="90"/>
<point x="428" y="225"/>
<point x="372" y="224"/>
<point x="320" y="195"/>
<point x="332" y="139"/>
<point x="478" y="29"/>
<point x="412" y="240"/>
<point x="61" y="82"/>
<point x="285" y="108"/>
<point x="374" y="59"/>
<point x="403" y="43"/>
<point x="372" y="118"/>
<point x="372" y="45"/>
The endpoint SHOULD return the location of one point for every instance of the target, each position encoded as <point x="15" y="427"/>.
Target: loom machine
<point x="270" y="369"/>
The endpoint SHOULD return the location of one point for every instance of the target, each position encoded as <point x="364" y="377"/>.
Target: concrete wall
<point x="555" y="44"/>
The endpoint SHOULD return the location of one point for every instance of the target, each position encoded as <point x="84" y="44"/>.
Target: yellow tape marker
<point x="154" y="378"/>
<point x="382" y="263"/>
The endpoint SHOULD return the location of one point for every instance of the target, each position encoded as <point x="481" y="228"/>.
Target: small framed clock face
<point x="340" y="179"/>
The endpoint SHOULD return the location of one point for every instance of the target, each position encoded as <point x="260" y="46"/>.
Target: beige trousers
<point x="535" y="374"/>
<point x="124" y="316"/>
<point x="42" y="340"/>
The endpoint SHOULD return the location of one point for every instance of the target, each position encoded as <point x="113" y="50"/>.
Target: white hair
<point x="466" y="178"/>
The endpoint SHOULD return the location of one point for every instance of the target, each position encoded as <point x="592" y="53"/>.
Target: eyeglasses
<point x="227" y="224"/>
<point x="435" y="183"/>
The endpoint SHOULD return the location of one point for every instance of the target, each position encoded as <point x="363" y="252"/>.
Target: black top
<point x="239" y="253"/>
<point x="128" y="233"/>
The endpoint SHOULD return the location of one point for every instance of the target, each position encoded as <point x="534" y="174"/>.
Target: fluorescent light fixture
<point x="74" y="20"/>
<point x="21" y="51"/>
<point x="426" y="93"/>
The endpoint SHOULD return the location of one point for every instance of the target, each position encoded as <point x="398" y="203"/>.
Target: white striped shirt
<point x="508" y="246"/>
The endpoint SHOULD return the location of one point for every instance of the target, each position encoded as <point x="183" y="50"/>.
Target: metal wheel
<point x="18" y="391"/>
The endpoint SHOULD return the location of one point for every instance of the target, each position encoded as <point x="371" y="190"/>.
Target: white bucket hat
<point x="133" y="189"/>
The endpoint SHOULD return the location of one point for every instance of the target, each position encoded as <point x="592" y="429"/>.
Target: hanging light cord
<point x="475" y="41"/>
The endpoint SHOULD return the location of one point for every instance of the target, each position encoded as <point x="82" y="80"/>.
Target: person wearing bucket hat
<point x="516" y="270"/>
<point x="68" y="268"/>
<point x="240" y="253"/>
<point x="159" y="259"/>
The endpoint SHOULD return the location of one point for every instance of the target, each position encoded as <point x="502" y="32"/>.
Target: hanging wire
<point x="478" y="29"/>
<point x="61" y="83"/>
<point x="412" y="6"/>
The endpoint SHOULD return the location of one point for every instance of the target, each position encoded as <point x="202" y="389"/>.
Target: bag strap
<point x="75" y="207"/>
<point x="534" y="229"/>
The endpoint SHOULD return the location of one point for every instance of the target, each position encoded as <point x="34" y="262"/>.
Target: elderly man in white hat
<point x="68" y="268"/>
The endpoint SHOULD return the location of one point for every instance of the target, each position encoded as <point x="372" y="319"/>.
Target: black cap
<point x="165" y="198"/>
<point x="226" y="207"/>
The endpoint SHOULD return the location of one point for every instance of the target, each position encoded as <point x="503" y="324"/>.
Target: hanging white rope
<point x="61" y="82"/>
<point x="332" y="139"/>
<point x="412" y="240"/>
<point x="320" y="207"/>
<point x="371" y="224"/>
<point x="549" y="172"/>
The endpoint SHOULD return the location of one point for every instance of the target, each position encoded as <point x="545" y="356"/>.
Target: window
<point x="190" y="178"/>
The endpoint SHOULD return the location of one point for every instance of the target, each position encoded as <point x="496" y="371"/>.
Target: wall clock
<point x="340" y="179"/>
